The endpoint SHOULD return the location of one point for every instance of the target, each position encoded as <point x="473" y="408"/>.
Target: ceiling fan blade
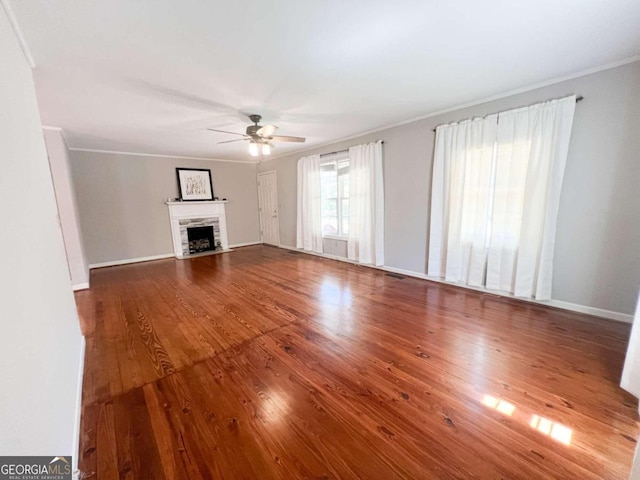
<point x="267" y="130"/>
<point x="224" y="131"/>
<point x="236" y="140"/>
<point x="282" y="138"/>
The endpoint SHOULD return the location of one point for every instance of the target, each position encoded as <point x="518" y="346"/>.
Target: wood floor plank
<point x="265" y="363"/>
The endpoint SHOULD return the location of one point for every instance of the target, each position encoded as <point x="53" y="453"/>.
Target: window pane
<point x="329" y="184"/>
<point x="345" y="225"/>
<point x="344" y="185"/>
<point x="344" y="204"/>
<point x="329" y="207"/>
<point x="334" y="177"/>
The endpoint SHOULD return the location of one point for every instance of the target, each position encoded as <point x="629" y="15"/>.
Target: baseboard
<point x="80" y="286"/>
<point x="76" y="427"/>
<point x="598" y="312"/>
<point x="246" y="244"/>
<point x="324" y="255"/>
<point x="148" y="259"/>
<point x="573" y="307"/>
<point x="130" y="260"/>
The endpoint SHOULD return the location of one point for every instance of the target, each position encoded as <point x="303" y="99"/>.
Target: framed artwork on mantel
<point x="194" y="184"/>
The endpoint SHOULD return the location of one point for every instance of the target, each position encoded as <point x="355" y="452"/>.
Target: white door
<point x="268" y="203"/>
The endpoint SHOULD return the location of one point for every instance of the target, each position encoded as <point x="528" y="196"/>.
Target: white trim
<point x="196" y="202"/>
<point x="574" y="307"/>
<point x="163" y="256"/>
<point x="245" y="244"/>
<point x="80" y="286"/>
<point x="509" y="93"/>
<point x="343" y="238"/>
<point x="18" y="32"/>
<point x="267" y="172"/>
<point x="131" y="260"/>
<point x="57" y="129"/>
<point x="325" y="255"/>
<point x="138" y="154"/>
<point x="76" y="427"/>
<point x="598" y="312"/>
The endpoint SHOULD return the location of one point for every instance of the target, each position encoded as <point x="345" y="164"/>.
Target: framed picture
<point x="194" y="184"/>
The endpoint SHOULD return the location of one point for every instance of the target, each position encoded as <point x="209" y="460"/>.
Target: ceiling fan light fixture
<point x="259" y="137"/>
<point x="253" y="148"/>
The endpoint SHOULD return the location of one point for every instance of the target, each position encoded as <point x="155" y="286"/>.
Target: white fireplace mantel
<point x="196" y="210"/>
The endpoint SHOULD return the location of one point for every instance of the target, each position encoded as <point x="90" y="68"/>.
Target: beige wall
<point x="597" y="256"/>
<point x="41" y="354"/>
<point x="122" y="199"/>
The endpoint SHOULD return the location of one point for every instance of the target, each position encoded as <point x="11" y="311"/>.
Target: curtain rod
<point x="340" y="151"/>
<point x="333" y="153"/>
<point x="579" y="98"/>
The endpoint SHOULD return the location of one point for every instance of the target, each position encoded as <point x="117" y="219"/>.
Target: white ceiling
<point x="149" y="76"/>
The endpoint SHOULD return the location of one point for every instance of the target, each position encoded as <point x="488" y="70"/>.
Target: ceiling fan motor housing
<point x="252" y="129"/>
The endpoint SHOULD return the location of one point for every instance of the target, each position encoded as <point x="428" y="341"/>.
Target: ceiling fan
<point x="259" y="137"/>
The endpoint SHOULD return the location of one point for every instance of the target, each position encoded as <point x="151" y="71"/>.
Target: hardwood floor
<point x="265" y="363"/>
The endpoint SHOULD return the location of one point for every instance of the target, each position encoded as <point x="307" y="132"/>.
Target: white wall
<point x="67" y="207"/>
<point x="597" y="259"/>
<point x="40" y="339"/>
<point x="121" y="199"/>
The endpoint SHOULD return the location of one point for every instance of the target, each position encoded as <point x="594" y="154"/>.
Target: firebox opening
<point x="201" y="239"/>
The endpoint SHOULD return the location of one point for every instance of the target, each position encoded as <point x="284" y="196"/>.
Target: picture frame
<point x="194" y="184"/>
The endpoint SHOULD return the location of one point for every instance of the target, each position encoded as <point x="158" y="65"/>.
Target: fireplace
<point x="199" y="235"/>
<point x="198" y="227"/>
<point x="201" y="239"/>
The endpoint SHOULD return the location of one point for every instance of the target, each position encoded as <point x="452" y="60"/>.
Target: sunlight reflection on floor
<point x="555" y="430"/>
<point x="335" y="301"/>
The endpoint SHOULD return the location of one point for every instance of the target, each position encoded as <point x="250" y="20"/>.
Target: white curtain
<point x="309" y="234"/>
<point x="366" y="204"/>
<point x="460" y="200"/>
<point x="495" y="197"/>
<point x="532" y="147"/>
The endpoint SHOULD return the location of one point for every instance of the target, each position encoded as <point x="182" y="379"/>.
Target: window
<point x="495" y="198"/>
<point x="334" y="175"/>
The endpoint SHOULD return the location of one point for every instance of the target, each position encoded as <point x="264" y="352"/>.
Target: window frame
<point x="336" y="160"/>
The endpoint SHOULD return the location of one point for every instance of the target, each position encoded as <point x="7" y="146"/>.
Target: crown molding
<point x="57" y="129"/>
<point x="18" y="32"/>
<point x="138" y="154"/>
<point x="509" y="93"/>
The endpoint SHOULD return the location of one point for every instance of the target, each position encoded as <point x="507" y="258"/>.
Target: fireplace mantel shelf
<point x="196" y="202"/>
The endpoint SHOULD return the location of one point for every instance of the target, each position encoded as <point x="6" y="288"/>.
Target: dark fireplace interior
<point x="201" y="239"/>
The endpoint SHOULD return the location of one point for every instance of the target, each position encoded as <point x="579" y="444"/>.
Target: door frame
<point x="275" y="174"/>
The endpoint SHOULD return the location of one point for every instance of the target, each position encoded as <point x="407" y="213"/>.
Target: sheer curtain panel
<point x="495" y="198"/>
<point x="532" y="147"/>
<point x="309" y="222"/>
<point x="366" y="204"/>
<point x="460" y="200"/>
